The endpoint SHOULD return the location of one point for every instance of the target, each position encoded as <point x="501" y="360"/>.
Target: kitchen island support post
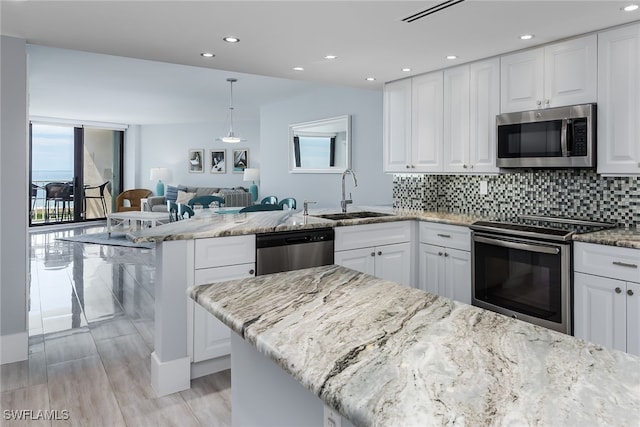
<point x="170" y="361"/>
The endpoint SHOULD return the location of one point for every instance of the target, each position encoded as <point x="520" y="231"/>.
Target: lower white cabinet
<point x="389" y="262"/>
<point x="444" y="261"/>
<point x="211" y="337"/>
<point x="382" y="250"/>
<point x="445" y="272"/>
<point x="607" y="296"/>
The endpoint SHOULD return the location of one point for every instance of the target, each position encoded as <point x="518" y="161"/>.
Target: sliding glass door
<point x="75" y="172"/>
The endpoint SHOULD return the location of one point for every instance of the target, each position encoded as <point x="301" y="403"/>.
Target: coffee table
<point x="138" y="218"/>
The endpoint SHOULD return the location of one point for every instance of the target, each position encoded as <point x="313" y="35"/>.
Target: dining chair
<point x="205" y="201"/>
<point x="58" y="193"/>
<point x="261" y="208"/>
<point x="178" y="211"/>
<point x="269" y="200"/>
<point x="290" y="202"/>
<point x="99" y="196"/>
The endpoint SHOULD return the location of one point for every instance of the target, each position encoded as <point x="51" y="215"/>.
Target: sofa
<point x="238" y="196"/>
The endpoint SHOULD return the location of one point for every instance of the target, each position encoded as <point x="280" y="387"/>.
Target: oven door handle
<point x="563" y="139"/>
<point x="516" y="245"/>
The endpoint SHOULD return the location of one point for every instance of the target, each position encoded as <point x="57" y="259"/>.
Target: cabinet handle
<point x="548" y="101"/>
<point x="464" y="166"/>
<point x="629" y="292"/>
<point x="446" y="254"/>
<point x="379" y="252"/>
<point x="618" y="290"/>
<point x="252" y="271"/>
<point x="408" y="166"/>
<point x="538" y="102"/>
<point x="413" y="166"/>
<point x="373" y="254"/>
<point x="624" y="264"/>
<point x="440" y="254"/>
<point x="448" y="236"/>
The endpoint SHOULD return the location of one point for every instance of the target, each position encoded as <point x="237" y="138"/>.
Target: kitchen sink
<point x="352" y="215"/>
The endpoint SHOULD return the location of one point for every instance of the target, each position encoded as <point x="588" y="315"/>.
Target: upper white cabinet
<point x="619" y="101"/>
<point x="471" y="103"/>
<point x="413" y="124"/>
<point x="559" y="74"/>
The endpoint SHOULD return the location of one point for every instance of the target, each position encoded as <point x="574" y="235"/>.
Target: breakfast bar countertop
<point x="381" y="353"/>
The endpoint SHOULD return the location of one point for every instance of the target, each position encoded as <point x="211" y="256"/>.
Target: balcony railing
<point x="62" y="210"/>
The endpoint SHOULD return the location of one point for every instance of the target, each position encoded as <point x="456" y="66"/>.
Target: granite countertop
<point x="624" y="237"/>
<point x="207" y="223"/>
<point x="385" y="354"/>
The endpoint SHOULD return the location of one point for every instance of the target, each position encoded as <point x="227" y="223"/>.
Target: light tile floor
<point x="90" y="340"/>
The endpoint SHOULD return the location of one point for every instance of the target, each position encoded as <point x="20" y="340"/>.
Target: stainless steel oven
<point x="522" y="268"/>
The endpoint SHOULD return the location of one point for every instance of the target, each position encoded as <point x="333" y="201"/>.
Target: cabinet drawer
<point x="221" y="251"/>
<point x="450" y="236"/>
<point x="205" y="276"/>
<point x="362" y="236"/>
<point x="608" y="261"/>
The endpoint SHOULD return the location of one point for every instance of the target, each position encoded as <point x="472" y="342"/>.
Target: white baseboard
<point x="211" y="366"/>
<point x="170" y="377"/>
<point x="14" y="348"/>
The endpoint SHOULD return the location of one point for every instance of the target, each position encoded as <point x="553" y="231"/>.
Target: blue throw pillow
<point x="171" y="192"/>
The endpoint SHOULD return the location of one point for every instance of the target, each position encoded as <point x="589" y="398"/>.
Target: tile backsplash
<point x="576" y="193"/>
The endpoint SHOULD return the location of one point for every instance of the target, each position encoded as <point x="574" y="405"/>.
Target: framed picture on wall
<point x="240" y="160"/>
<point x="196" y="160"/>
<point x="218" y="161"/>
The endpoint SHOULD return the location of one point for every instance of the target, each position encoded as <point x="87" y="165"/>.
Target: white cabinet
<point x="445" y="261"/>
<point x="619" y="101"/>
<point x="559" y="74"/>
<point x="471" y="103"/>
<point x="382" y="250"/>
<point x="607" y="296"/>
<point x="413" y="124"/>
<point x="217" y="260"/>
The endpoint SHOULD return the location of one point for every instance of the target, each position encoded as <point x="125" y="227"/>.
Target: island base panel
<point x="170" y="377"/>
<point x="264" y="394"/>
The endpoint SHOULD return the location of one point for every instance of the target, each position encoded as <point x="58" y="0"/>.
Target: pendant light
<point x="231" y="137"/>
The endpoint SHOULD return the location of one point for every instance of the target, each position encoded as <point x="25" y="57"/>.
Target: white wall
<point x="168" y="146"/>
<point x="365" y="108"/>
<point x="13" y="200"/>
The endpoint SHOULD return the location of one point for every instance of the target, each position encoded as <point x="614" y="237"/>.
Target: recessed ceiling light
<point x="406" y="70"/>
<point x="207" y="55"/>
<point x="370" y="79"/>
<point x="298" y="69"/>
<point x="330" y="57"/>
<point x="630" y="8"/>
<point x="526" y="37"/>
<point x="452" y="57"/>
<point x="231" y="39"/>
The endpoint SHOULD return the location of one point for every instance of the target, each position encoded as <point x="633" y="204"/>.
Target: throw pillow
<point x="184" y="197"/>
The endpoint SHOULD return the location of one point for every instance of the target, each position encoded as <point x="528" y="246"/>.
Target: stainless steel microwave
<point x="562" y="137"/>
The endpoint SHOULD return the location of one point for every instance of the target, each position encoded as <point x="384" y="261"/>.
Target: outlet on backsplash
<point x="484" y="188"/>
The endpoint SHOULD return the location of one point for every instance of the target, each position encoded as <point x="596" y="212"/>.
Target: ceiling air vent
<point x="437" y="8"/>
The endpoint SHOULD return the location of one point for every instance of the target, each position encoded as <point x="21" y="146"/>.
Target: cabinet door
<point x="458" y="275"/>
<point x="484" y="105"/>
<point x="619" y="101"/>
<point x="397" y="126"/>
<point x="456" y="119"/>
<point x="521" y="81"/>
<point x="633" y="318"/>
<point x="432" y="270"/>
<point x="393" y="262"/>
<point x="570" y="72"/>
<point x="426" y="123"/>
<point x="362" y="260"/>
<point x="600" y="310"/>
<point x="211" y="337"/>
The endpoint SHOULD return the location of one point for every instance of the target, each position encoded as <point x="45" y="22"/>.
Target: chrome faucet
<point x="305" y="210"/>
<point x="344" y="202"/>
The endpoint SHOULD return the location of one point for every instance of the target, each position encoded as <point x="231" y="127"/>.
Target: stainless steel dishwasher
<point x="293" y="250"/>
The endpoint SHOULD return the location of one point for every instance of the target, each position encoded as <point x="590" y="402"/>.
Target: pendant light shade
<point x="231" y="137"/>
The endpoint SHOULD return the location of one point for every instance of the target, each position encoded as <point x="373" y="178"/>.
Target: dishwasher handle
<point x="296" y="240"/>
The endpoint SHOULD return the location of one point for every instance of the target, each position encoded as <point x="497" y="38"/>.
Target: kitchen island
<point x="381" y="353"/>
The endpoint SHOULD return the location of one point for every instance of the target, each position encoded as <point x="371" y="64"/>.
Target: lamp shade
<point x="252" y="174"/>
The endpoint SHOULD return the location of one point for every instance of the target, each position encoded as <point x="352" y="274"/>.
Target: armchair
<point x="133" y="196"/>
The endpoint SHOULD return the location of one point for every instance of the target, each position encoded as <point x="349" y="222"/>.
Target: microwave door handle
<point x="563" y="138"/>
<point x="517" y="245"/>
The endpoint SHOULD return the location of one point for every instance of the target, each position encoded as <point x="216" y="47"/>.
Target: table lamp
<point x="253" y="175"/>
<point x="161" y="174"/>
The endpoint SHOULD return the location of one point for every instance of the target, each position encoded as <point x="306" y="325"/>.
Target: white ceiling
<point x="368" y="37"/>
